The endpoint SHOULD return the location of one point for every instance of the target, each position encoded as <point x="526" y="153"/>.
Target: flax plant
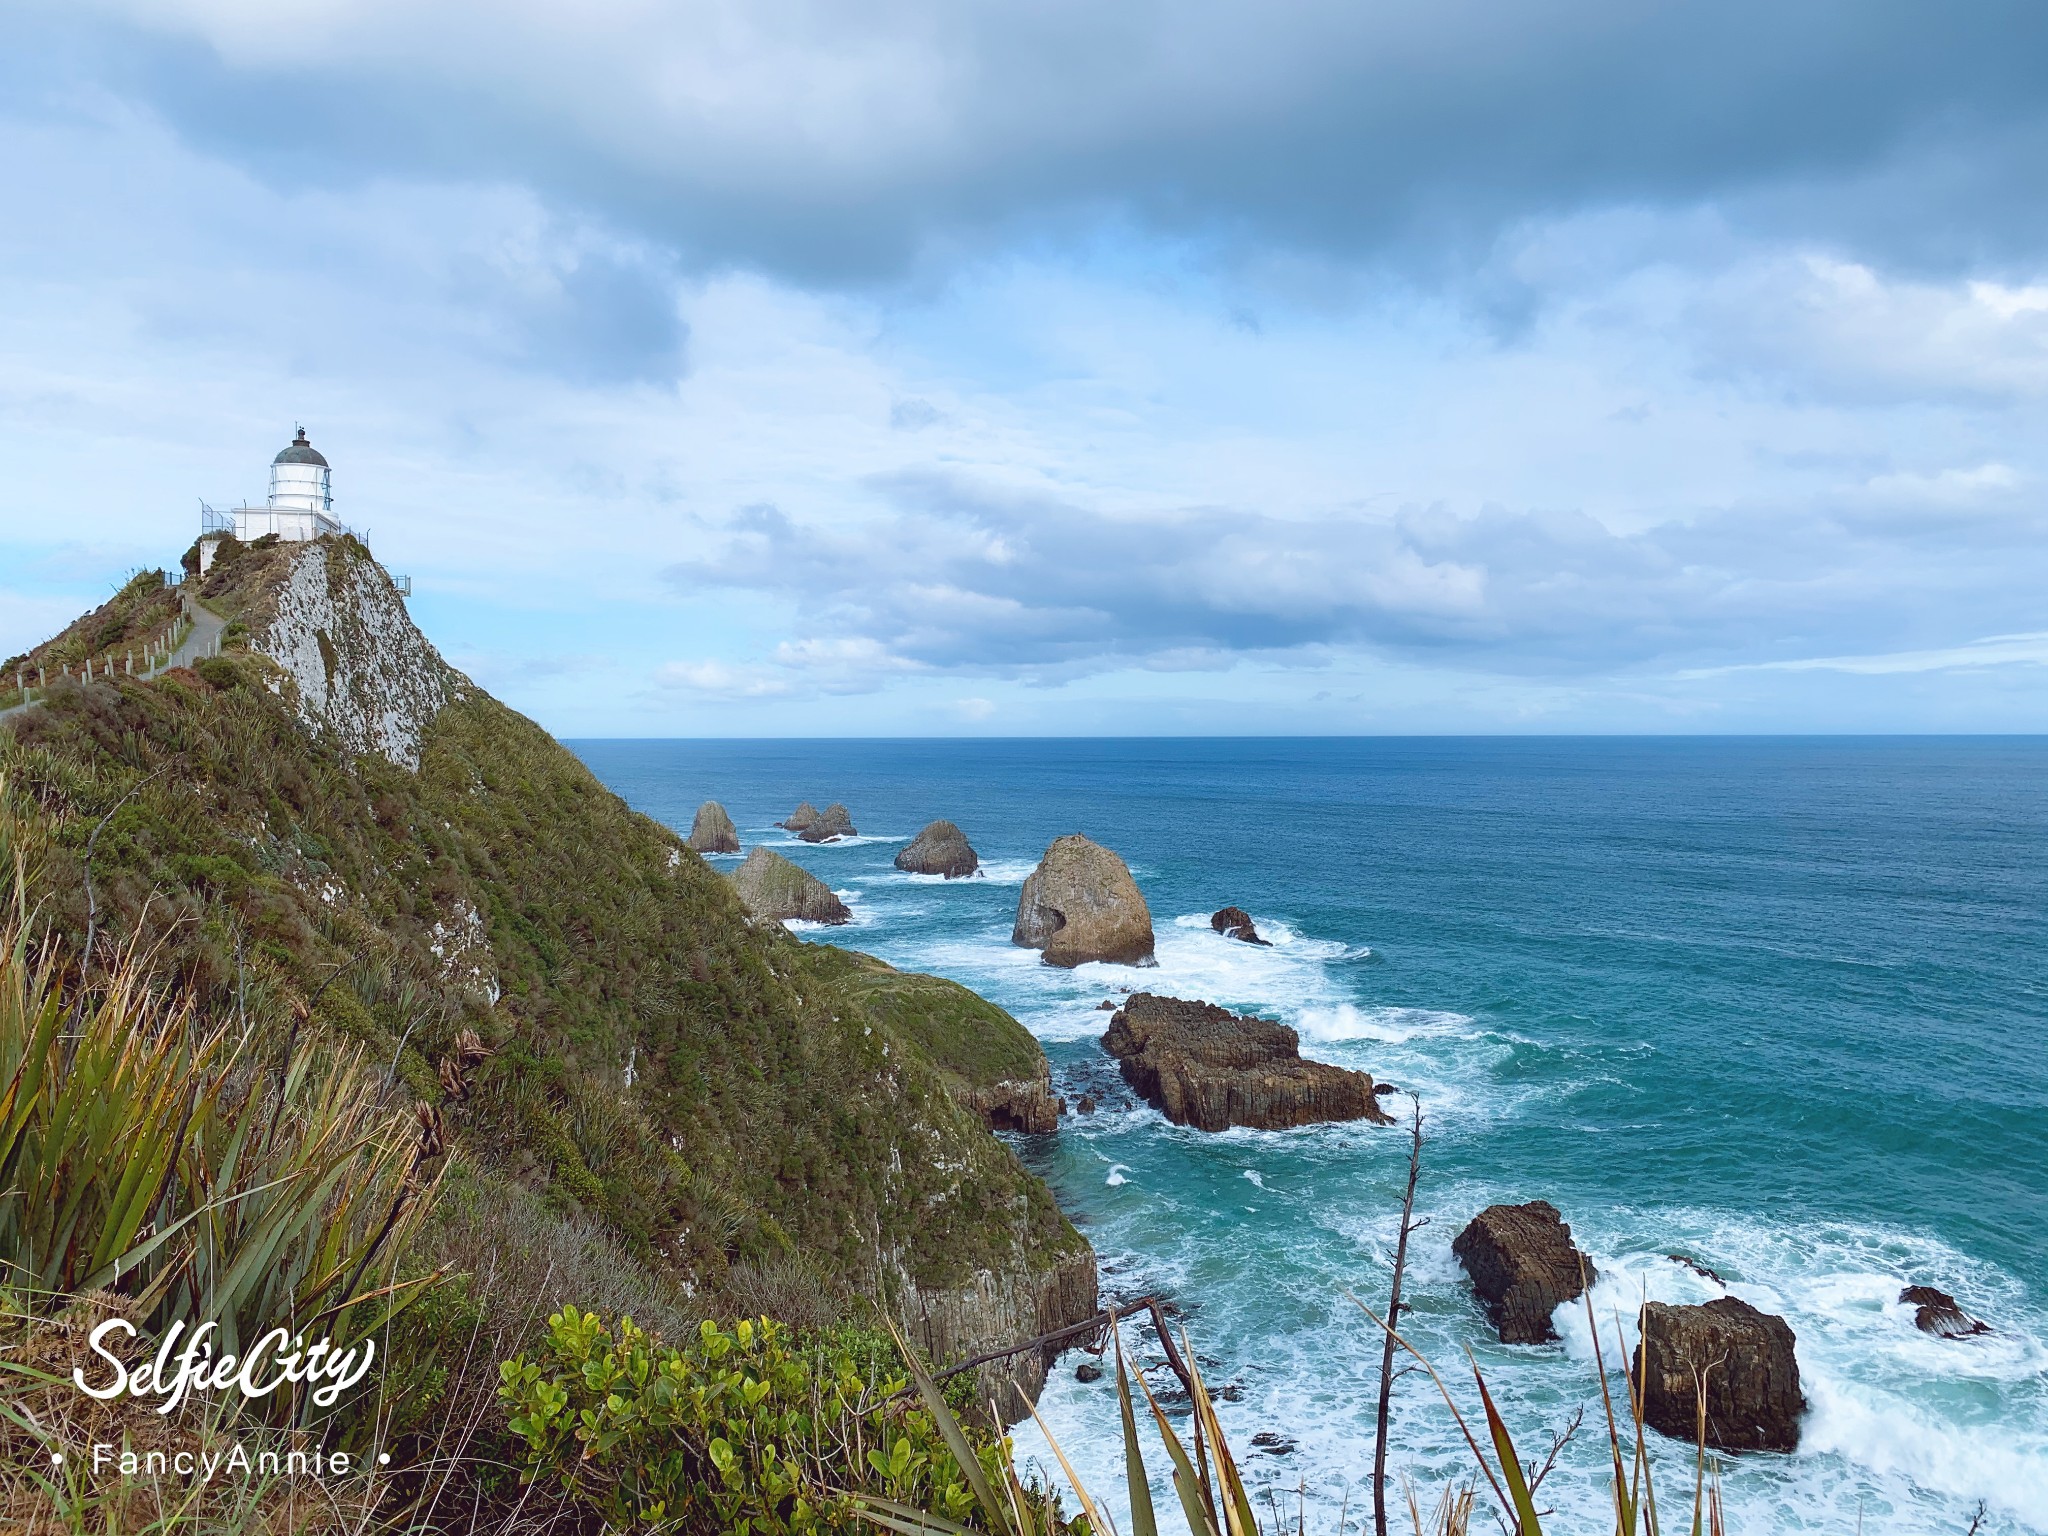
<point x="144" y="1151"/>
<point x="1214" y="1501"/>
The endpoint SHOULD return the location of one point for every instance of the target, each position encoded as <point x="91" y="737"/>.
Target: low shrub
<point x="748" y="1429"/>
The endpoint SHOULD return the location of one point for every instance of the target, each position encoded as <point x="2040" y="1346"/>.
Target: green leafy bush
<point x="745" y="1430"/>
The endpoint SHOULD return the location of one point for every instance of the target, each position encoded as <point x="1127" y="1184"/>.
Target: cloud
<point x="849" y="141"/>
<point x="961" y="576"/>
<point x="1992" y="651"/>
<point x="796" y="669"/>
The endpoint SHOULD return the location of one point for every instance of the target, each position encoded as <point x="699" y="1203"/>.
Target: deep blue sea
<point x="1777" y="1004"/>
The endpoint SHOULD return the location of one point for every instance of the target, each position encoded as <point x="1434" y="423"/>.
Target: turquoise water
<point x="1777" y="1004"/>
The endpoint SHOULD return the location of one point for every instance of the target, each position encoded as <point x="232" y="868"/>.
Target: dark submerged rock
<point x="1236" y="923"/>
<point x="1939" y="1313"/>
<point x="940" y="849"/>
<point x="1693" y="1264"/>
<point x="712" y="831"/>
<point x="1750" y="1365"/>
<point x="1523" y="1265"/>
<point x="1204" y="1066"/>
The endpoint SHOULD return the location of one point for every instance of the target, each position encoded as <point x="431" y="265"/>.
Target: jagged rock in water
<point x="1272" y="1444"/>
<point x="1705" y="1272"/>
<point x="1087" y="1105"/>
<point x="830" y="823"/>
<point x="712" y="831"/>
<point x="772" y="887"/>
<point x="1939" y="1313"/>
<point x="1088" y="1370"/>
<point x="801" y="817"/>
<point x="1081" y="904"/>
<point x="1751" y="1368"/>
<point x="1523" y="1265"/>
<point x="1204" y="1066"/>
<point x="1236" y="923"/>
<point x="940" y="849"/>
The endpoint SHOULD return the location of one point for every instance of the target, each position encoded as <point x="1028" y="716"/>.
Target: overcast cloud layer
<point x="898" y="367"/>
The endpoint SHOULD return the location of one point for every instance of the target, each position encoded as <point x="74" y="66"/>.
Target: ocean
<point x="1776" y="1004"/>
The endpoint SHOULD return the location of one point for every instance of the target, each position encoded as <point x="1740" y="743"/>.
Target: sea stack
<point x="801" y="817"/>
<point x="1203" y="1066"/>
<point x="1751" y="1370"/>
<point x="829" y="825"/>
<point x="712" y="830"/>
<point x="1081" y="904"/>
<point x="940" y="849"/>
<point x="1523" y="1265"/>
<point x="772" y="887"/>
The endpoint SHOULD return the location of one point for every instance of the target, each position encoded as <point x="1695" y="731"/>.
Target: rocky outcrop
<point x="828" y="825"/>
<point x="1523" y="1266"/>
<point x="1002" y="1307"/>
<point x="801" y="817"/>
<point x="772" y="887"/>
<point x="712" y="831"/>
<point x="1940" y="1314"/>
<point x="357" y="667"/>
<point x="1748" y="1361"/>
<point x="1236" y="923"/>
<point x="1203" y="1066"/>
<point x="940" y="849"/>
<point x="1017" y="1104"/>
<point x="1081" y="904"/>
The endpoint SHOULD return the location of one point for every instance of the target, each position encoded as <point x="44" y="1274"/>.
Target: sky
<point x="1039" y="367"/>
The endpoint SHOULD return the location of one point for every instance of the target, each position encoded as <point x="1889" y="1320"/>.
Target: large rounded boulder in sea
<point x="1081" y="904"/>
<point x="1748" y="1361"/>
<point x="712" y="830"/>
<point x="828" y="826"/>
<point x="940" y="849"/>
<point x="772" y="887"/>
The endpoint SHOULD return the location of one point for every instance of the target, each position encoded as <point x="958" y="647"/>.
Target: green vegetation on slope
<point x="615" y="1045"/>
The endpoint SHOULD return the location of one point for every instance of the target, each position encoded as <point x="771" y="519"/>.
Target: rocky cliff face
<point x="357" y="668"/>
<point x="1002" y="1307"/>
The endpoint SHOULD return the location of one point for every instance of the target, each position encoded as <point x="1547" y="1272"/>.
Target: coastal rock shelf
<point x="771" y="887"/>
<point x="1523" y="1265"/>
<point x="1204" y="1066"/>
<point x="1752" y="1373"/>
<point x="1081" y="904"/>
<point x="940" y="849"/>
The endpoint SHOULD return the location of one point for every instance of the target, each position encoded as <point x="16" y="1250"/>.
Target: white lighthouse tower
<point x="300" y="505"/>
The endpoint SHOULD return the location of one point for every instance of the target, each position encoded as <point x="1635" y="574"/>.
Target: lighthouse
<point x="300" y="505"/>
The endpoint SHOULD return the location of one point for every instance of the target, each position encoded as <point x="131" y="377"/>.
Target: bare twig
<point x="1379" y="1448"/>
